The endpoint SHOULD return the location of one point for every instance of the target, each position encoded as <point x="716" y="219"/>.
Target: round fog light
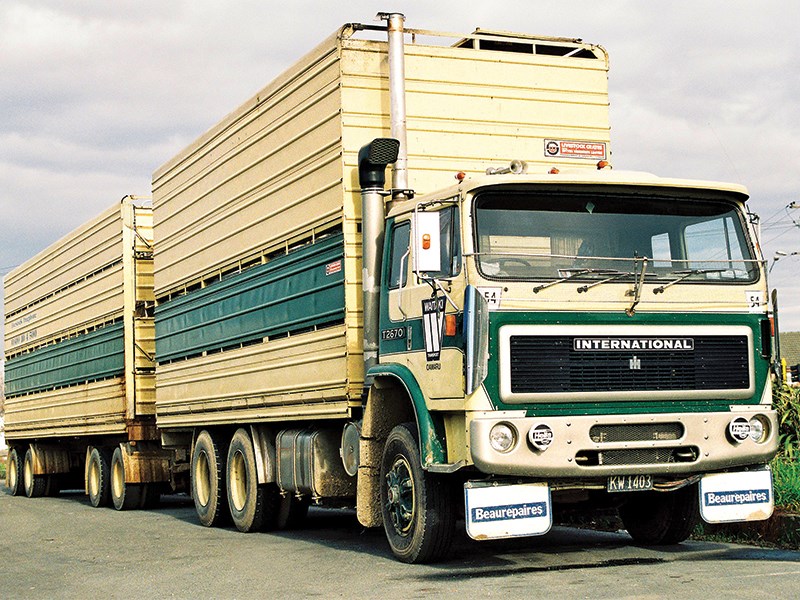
<point x="739" y="429"/>
<point x="540" y="436"/>
<point x="502" y="437"/>
<point x="759" y="430"/>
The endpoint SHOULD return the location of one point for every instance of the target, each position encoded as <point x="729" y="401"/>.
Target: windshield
<point x="558" y="235"/>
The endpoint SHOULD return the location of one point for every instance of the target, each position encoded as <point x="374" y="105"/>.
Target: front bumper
<point x="703" y="445"/>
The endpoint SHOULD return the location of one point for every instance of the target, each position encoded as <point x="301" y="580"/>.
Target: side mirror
<point x="427" y="243"/>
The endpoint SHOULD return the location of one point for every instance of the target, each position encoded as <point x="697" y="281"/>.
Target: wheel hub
<point x="400" y="496"/>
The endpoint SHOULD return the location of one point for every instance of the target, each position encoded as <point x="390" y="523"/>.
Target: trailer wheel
<point x="14" y="472"/>
<point x="253" y="507"/>
<point x="418" y="507"/>
<point x="125" y="496"/>
<point x="208" y="480"/>
<point x="35" y="485"/>
<point x="99" y="475"/>
<point x="661" y="518"/>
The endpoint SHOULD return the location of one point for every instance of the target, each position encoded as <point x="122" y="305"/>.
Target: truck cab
<point x="596" y="336"/>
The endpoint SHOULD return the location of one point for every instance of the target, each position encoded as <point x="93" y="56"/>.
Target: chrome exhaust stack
<point x="397" y="98"/>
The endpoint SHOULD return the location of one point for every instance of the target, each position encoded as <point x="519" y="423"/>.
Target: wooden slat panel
<point x="87" y="409"/>
<point x="273" y="378"/>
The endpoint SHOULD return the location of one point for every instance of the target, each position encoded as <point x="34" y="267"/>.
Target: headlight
<point x="502" y="437"/>
<point x="759" y="429"/>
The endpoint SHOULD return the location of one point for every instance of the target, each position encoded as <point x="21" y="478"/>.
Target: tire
<point x="292" y="512"/>
<point x="124" y="496"/>
<point x="208" y="480"/>
<point x="15" y="470"/>
<point x="661" y="518"/>
<point x="253" y="507"/>
<point x="35" y="485"/>
<point x="99" y="478"/>
<point x="418" y="507"/>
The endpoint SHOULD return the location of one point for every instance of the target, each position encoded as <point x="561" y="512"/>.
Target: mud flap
<point x="495" y="510"/>
<point x="735" y="497"/>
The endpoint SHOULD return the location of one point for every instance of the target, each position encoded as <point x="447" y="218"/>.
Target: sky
<point x="96" y="95"/>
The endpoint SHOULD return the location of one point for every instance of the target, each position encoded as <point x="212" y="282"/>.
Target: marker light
<point x="461" y="176"/>
<point x="502" y="437"/>
<point x="426" y="241"/>
<point x="602" y="164"/>
<point x="554" y="171"/>
<point x="450" y="325"/>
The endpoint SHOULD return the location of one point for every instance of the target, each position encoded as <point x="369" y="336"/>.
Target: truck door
<point x="433" y="356"/>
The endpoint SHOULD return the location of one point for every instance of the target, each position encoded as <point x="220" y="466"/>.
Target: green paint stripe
<point x="88" y="357"/>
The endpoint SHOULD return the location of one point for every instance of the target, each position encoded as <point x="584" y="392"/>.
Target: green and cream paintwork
<point x="438" y="388"/>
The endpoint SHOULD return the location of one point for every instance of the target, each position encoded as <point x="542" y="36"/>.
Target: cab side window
<point x="401" y="237"/>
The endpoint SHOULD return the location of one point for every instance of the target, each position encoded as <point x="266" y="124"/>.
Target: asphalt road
<point x="63" y="548"/>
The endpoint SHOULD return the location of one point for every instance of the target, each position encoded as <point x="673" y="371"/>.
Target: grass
<point x="786" y="481"/>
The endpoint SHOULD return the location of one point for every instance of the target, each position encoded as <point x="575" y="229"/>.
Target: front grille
<point x="637" y="456"/>
<point x="640" y="432"/>
<point x="550" y="364"/>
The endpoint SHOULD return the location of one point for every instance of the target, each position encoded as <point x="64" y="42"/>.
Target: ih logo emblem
<point x="433" y="323"/>
<point x="635" y="364"/>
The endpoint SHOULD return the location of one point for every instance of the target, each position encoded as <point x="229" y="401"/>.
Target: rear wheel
<point x="125" y="496"/>
<point x="14" y="472"/>
<point x="418" y="507"/>
<point x="98" y="478"/>
<point x="253" y="507"/>
<point x="661" y="518"/>
<point x="35" y="485"/>
<point x="208" y="480"/>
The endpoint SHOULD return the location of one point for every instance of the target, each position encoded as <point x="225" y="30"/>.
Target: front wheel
<point x="418" y="507"/>
<point x="661" y="518"/>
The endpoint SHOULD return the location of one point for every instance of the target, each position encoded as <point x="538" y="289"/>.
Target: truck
<point x="508" y="328"/>
<point x="79" y="370"/>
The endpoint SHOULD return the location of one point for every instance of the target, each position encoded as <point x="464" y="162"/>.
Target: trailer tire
<point x="418" y="507"/>
<point x="661" y="518"/>
<point x="124" y="496"/>
<point x="14" y="472"/>
<point x="35" y="485"/>
<point x="99" y="478"/>
<point x="208" y="480"/>
<point x="253" y="507"/>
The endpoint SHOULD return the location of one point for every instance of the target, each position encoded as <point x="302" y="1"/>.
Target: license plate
<point x="629" y="483"/>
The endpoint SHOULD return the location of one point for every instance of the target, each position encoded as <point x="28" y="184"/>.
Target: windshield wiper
<point x="636" y="292"/>
<point x="573" y="275"/>
<point x="685" y="275"/>
<point x="614" y="276"/>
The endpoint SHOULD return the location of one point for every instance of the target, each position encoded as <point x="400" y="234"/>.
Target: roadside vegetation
<point x="786" y="466"/>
